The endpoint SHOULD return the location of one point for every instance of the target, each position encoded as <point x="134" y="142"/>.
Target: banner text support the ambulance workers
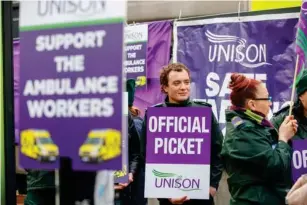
<point x="72" y="107"/>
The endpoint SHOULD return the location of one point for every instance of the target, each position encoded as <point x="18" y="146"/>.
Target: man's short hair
<point x="164" y="73"/>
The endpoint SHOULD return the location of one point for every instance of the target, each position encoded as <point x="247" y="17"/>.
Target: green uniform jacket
<point x="257" y="163"/>
<point x="298" y="112"/>
<point x="216" y="168"/>
<point x="37" y="179"/>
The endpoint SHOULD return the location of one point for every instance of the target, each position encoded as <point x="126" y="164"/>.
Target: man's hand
<point x="124" y="185"/>
<point x="212" y="191"/>
<point x="118" y="187"/>
<point x="179" y="200"/>
<point x="130" y="177"/>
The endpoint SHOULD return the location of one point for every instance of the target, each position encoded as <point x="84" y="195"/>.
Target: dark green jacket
<point x="298" y="113"/>
<point x="257" y="163"/>
<point x="37" y="179"/>
<point x="216" y="141"/>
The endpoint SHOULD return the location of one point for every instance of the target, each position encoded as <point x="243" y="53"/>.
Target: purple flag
<point x="158" y="55"/>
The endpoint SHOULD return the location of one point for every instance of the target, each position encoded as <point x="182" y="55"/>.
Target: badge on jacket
<point x="236" y="121"/>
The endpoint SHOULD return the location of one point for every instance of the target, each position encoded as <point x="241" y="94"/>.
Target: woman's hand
<point x="287" y="129"/>
<point x="298" y="193"/>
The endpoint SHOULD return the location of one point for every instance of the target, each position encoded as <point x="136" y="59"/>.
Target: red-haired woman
<point x="257" y="158"/>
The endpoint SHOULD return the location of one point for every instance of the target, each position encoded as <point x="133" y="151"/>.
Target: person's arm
<point x="216" y="168"/>
<point x="134" y="146"/>
<point x="253" y="147"/>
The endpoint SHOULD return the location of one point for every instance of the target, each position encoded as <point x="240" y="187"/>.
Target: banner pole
<point x="293" y="86"/>
<point x="57" y="187"/>
<point x="7" y="127"/>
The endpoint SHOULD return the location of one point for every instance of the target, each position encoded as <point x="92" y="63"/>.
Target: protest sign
<point x="178" y="152"/>
<point x="71" y="83"/>
<point x="261" y="47"/>
<point x="158" y="55"/>
<point x="136" y="37"/>
<point x="299" y="158"/>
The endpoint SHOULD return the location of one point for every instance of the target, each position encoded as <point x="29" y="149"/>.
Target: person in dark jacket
<point x="257" y="158"/>
<point x="175" y="83"/>
<point x="137" y="187"/>
<point x="299" y="109"/>
<point x="40" y="188"/>
<point x="123" y="191"/>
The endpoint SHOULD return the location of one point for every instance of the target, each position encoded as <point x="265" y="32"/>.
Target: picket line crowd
<point x="255" y="152"/>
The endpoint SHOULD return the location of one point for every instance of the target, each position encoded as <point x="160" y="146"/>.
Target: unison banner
<point x="261" y="47"/>
<point x="136" y="38"/>
<point x="71" y="84"/>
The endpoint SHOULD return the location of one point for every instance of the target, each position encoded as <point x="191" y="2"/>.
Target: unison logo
<point x="171" y="180"/>
<point x="133" y="36"/>
<point x="76" y="7"/>
<point x="235" y="49"/>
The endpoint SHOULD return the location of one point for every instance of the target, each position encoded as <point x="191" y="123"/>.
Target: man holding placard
<point x="183" y="143"/>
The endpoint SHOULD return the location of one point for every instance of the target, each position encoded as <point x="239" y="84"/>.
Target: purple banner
<point x="178" y="135"/>
<point x="258" y="47"/>
<point x="158" y="55"/>
<point x="299" y="158"/>
<point x="71" y="102"/>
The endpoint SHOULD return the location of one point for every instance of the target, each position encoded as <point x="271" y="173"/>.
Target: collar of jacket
<point x="181" y="104"/>
<point x="254" y="116"/>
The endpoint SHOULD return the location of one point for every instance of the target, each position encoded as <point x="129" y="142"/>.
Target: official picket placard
<point x="71" y="83"/>
<point x="136" y="38"/>
<point x="299" y="158"/>
<point x="178" y="152"/>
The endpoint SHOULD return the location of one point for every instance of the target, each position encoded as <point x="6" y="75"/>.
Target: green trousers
<point x="40" y="197"/>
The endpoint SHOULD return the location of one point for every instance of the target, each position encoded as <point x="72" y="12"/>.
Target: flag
<point x="301" y="40"/>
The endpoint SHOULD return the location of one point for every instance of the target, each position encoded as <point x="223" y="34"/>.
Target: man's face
<point x="178" y="88"/>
